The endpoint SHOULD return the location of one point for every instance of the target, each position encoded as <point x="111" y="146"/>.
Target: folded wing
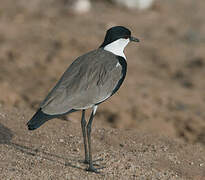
<point x="89" y="80"/>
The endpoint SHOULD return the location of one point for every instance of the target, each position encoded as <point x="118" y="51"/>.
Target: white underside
<point x="117" y="47"/>
<point x="92" y="106"/>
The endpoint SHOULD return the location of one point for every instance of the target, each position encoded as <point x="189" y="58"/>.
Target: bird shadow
<point x="6" y="136"/>
<point x="71" y="162"/>
<point x="46" y="155"/>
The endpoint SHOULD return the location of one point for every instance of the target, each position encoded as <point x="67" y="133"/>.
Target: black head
<point x="116" y="33"/>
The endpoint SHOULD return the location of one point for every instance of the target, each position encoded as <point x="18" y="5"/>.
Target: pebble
<point x="76" y="150"/>
<point x="191" y="163"/>
<point x="2" y="115"/>
<point x="61" y="140"/>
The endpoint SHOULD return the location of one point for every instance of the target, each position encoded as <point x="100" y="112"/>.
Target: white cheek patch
<point x="117" y="47"/>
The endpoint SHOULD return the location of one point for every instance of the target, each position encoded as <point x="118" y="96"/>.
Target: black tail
<point x="39" y="119"/>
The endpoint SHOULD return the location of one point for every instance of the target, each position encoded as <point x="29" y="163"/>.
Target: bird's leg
<point x="91" y="168"/>
<point x="83" y="125"/>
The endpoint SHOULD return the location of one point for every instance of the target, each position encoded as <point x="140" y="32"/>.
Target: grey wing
<point x="86" y="82"/>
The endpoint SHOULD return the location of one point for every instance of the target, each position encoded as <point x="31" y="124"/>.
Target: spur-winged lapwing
<point x="90" y="80"/>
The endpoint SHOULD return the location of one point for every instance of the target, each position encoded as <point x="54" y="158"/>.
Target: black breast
<point x="123" y="63"/>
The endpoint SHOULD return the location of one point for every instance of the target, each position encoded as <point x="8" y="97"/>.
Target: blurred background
<point x="164" y="91"/>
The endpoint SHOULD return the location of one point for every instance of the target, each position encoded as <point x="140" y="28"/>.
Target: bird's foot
<point x="92" y="169"/>
<point x="86" y="161"/>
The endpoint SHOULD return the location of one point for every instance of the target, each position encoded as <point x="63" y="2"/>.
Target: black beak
<point x="134" y="39"/>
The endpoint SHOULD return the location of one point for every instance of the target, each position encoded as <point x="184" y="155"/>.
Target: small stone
<point x="61" y="140"/>
<point x="121" y="145"/>
<point x="191" y="163"/>
<point x="76" y="150"/>
<point x="39" y="158"/>
<point x="2" y="114"/>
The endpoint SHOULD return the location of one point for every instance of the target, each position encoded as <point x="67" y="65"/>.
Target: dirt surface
<point x="56" y="151"/>
<point x="163" y="94"/>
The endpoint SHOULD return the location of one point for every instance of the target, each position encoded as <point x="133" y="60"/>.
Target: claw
<point x="92" y="169"/>
<point x="86" y="161"/>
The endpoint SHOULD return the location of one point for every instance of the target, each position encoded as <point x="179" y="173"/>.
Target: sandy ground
<point x="56" y="151"/>
<point x="153" y="128"/>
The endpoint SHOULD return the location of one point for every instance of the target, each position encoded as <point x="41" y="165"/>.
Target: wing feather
<point x="89" y="80"/>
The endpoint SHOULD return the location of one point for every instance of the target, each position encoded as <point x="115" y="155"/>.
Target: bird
<point x="90" y="80"/>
